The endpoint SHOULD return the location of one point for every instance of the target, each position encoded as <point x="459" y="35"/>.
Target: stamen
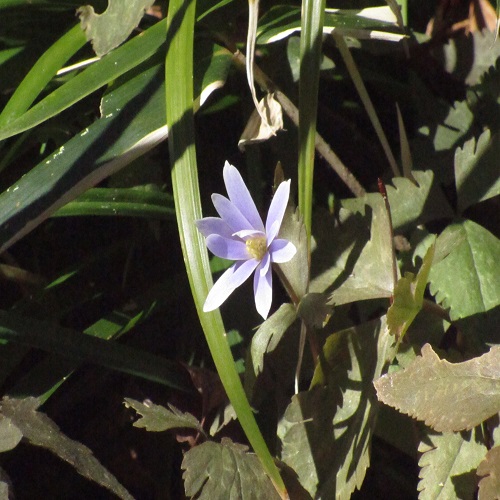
<point x="257" y="247"/>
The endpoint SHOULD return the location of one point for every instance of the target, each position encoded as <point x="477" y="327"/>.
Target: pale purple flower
<point x="240" y="235"/>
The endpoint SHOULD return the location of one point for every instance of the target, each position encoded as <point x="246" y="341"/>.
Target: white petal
<point x="238" y="193"/>
<point x="282" y="251"/>
<point x="263" y="291"/>
<point x="277" y="210"/>
<point x="246" y="233"/>
<point x="228" y="282"/>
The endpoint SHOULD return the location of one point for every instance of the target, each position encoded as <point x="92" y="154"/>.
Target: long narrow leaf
<point x="179" y="104"/>
<point x="85" y="348"/>
<point x="313" y="14"/>
<point x="42" y="72"/>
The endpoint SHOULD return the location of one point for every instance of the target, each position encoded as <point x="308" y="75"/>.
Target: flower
<point x="240" y="235"/>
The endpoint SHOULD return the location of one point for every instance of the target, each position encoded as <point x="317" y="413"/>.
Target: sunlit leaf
<point x="10" y="435"/>
<point x="132" y="123"/>
<point x="132" y="202"/>
<point x="448" y="464"/>
<point x="109" y="29"/>
<point x="282" y="21"/>
<point x="409" y="297"/>
<point x="370" y="277"/>
<point x="40" y="430"/>
<point x="476" y="170"/>
<point x="156" y="418"/>
<point x="447" y="396"/>
<point x="326" y="431"/>
<point x="225" y="470"/>
<point x="223" y="416"/>
<point x="296" y="269"/>
<point x="410" y="204"/>
<point x="489" y="472"/>
<point x="466" y="281"/>
<point x="270" y="333"/>
<point x="123" y="59"/>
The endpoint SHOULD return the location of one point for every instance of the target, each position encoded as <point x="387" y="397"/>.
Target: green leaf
<point x="476" y="170"/>
<point x="225" y="470"/>
<point x="121" y="60"/>
<point x="410" y="204"/>
<point x="10" y="435"/>
<point x="184" y="172"/>
<point x="312" y="18"/>
<point x="315" y="310"/>
<point x="489" y="472"/>
<point x="156" y="418"/>
<point x="466" y="281"/>
<point x="409" y="297"/>
<point x="326" y="431"/>
<point x="132" y="202"/>
<point x="295" y="270"/>
<point x="270" y="333"/>
<point x="432" y="390"/>
<point x="448" y="464"/>
<point x="109" y="29"/>
<point x="79" y="347"/>
<point x="454" y="127"/>
<point x="40" y="430"/>
<point x="284" y="20"/>
<point x="133" y="122"/>
<point x="41" y="73"/>
<point x="370" y="276"/>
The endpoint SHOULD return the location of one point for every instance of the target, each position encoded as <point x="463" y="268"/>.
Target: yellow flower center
<point x="257" y="247"/>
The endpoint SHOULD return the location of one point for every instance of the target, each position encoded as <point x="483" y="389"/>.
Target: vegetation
<point x="367" y="136"/>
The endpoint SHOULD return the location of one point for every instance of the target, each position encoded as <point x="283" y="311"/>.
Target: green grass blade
<point x="85" y="348"/>
<point x="94" y="77"/>
<point x="313" y="14"/>
<point x="179" y="104"/>
<point x="42" y="72"/>
<point x="131" y="202"/>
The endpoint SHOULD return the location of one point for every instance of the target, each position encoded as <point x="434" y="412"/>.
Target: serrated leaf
<point x="109" y="29"/>
<point x="457" y="123"/>
<point x="270" y="333"/>
<point x="371" y="275"/>
<point x="410" y="204"/>
<point x="10" y="435"/>
<point x="225" y="470"/>
<point x="409" y="297"/>
<point x="476" y="170"/>
<point x="431" y="389"/>
<point x="489" y="471"/>
<point x="448" y="464"/>
<point x="296" y="270"/>
<point x="156" y="418"/>
<point x="326" y="431"/>
<point x="40" y="430"/>
<point x="466" y="281"/>
<point x="223" y="416"/>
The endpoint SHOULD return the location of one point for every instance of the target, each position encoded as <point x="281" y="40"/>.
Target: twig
<point x="292" y="112"/>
